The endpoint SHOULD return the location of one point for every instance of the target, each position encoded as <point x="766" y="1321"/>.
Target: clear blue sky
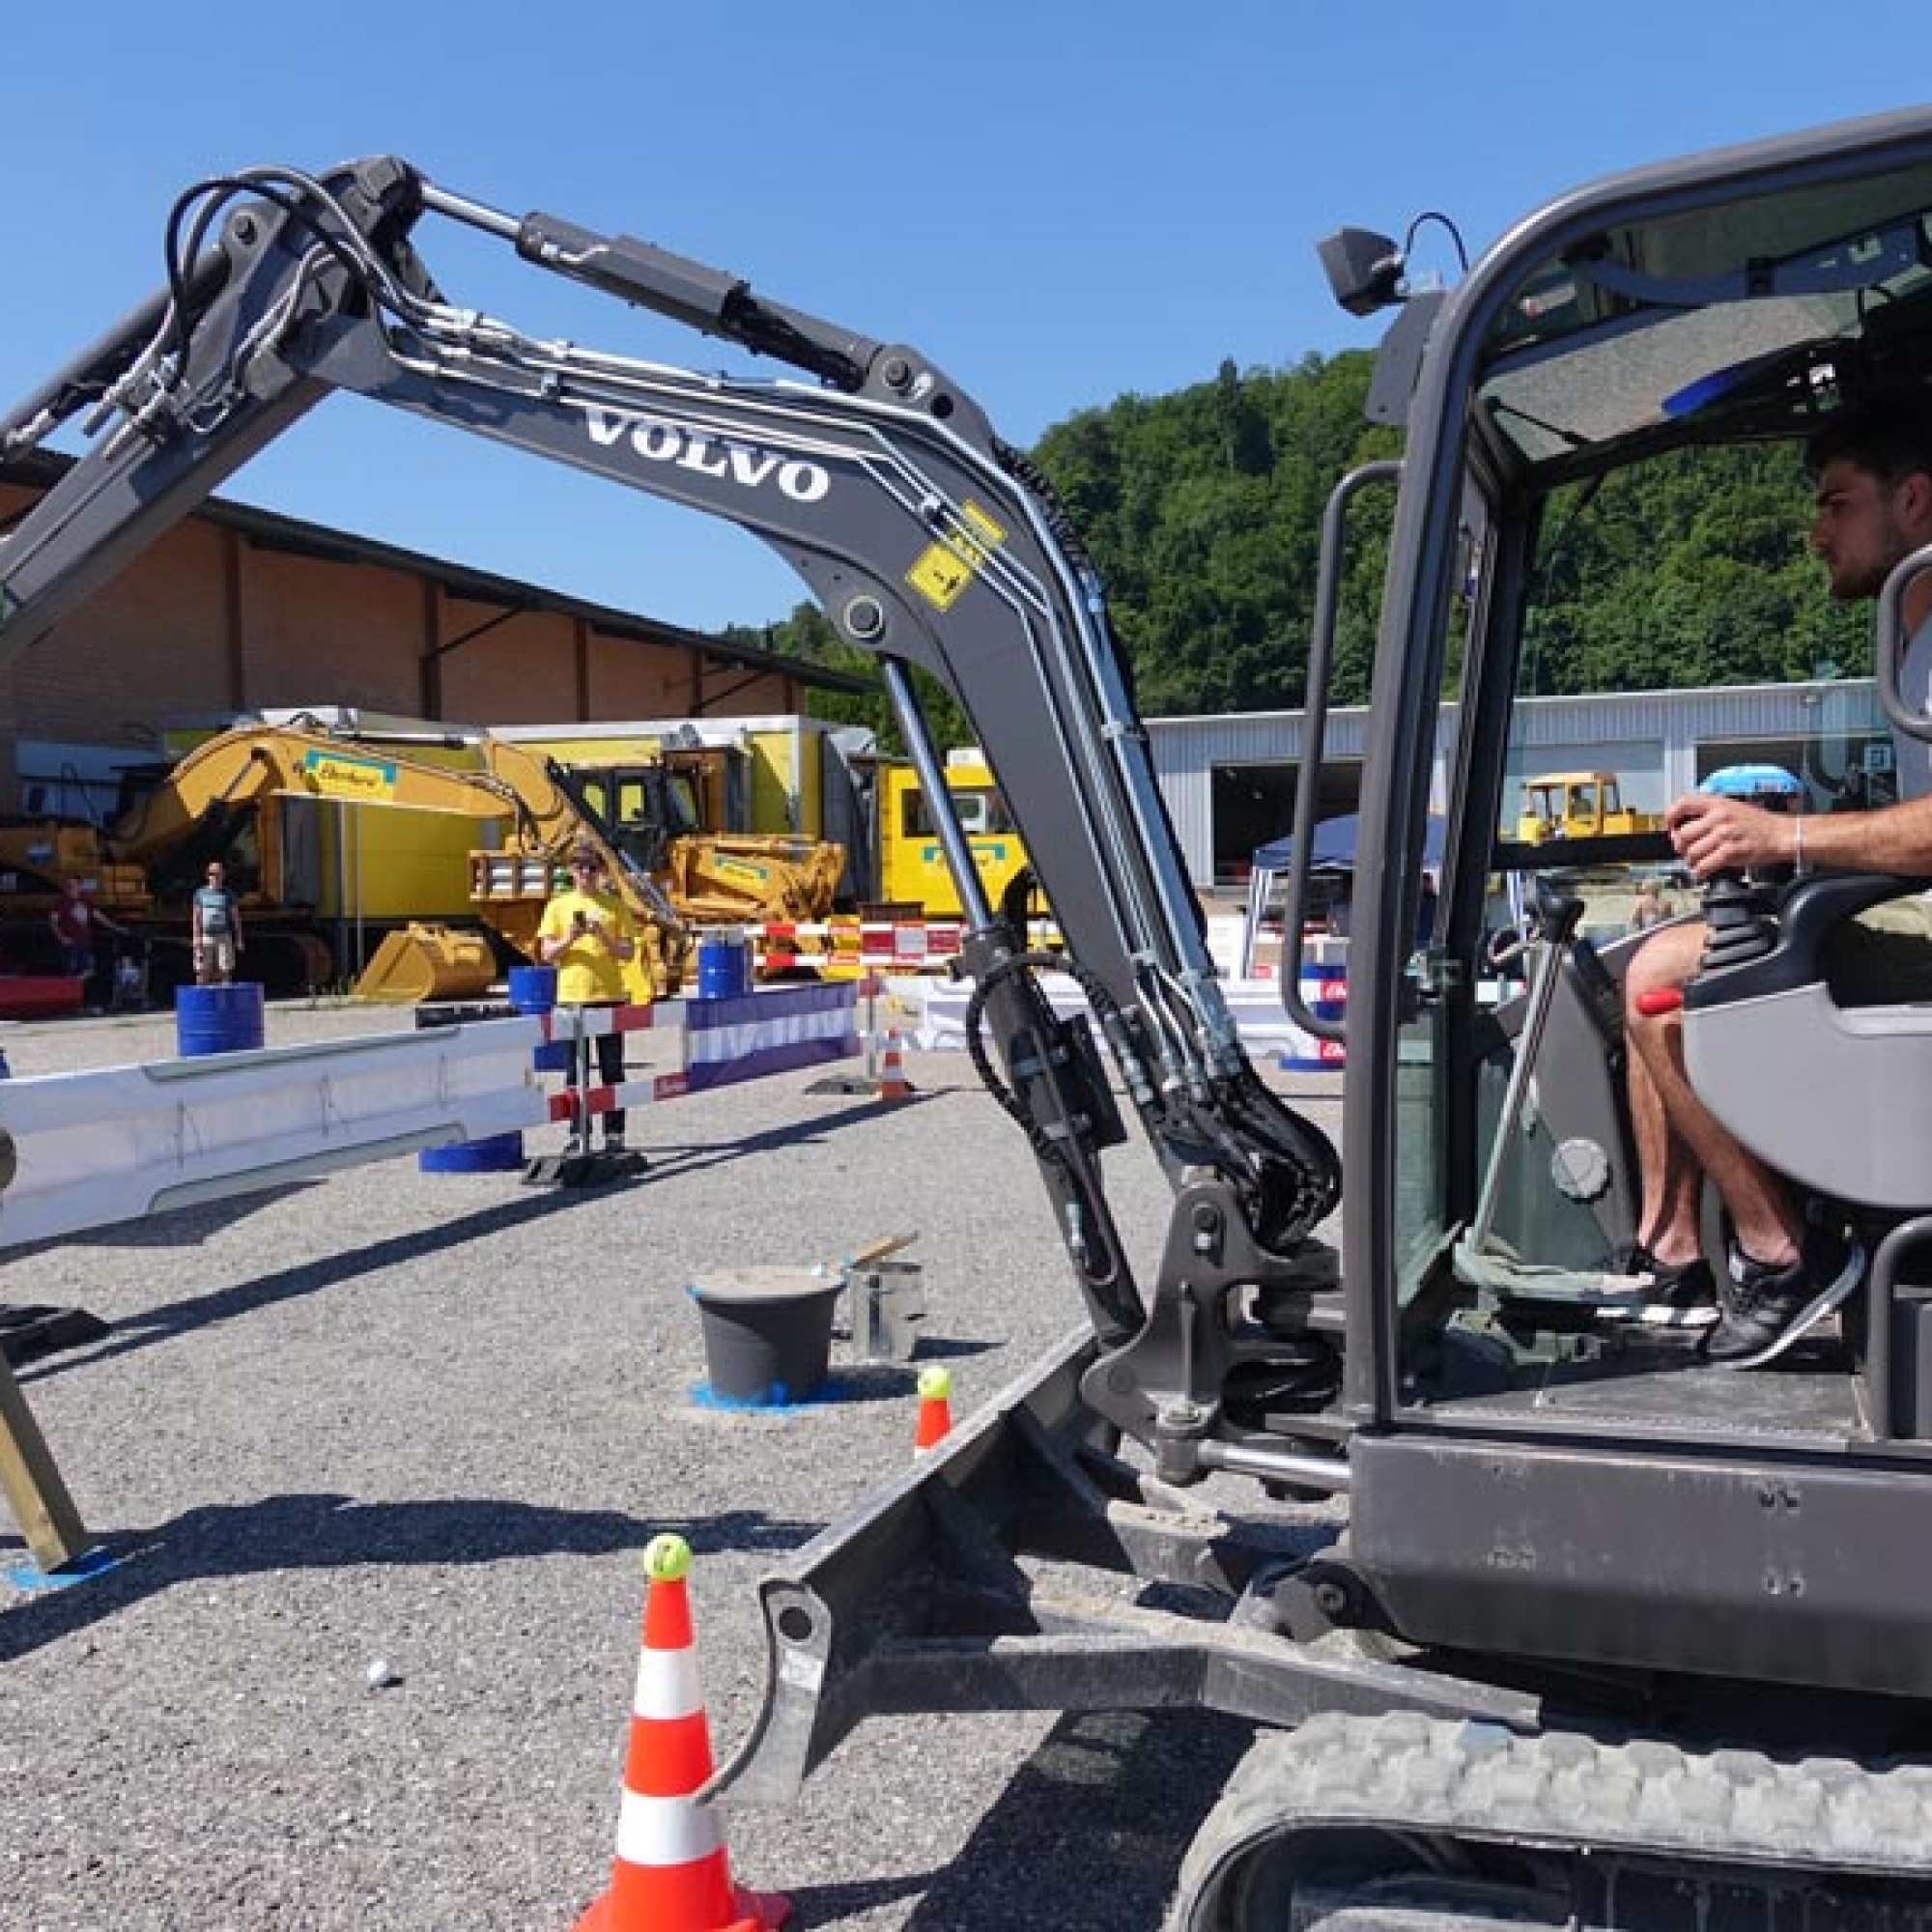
<point x="1060" y="203"/>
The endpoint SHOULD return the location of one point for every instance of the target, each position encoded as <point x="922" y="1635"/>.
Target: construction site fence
<point x="851" y="948"/>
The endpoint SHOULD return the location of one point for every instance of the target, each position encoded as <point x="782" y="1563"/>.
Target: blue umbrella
<point x="1753" y="782"/>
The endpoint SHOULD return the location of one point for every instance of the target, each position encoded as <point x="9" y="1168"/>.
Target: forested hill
<point x="1203" y="510"/>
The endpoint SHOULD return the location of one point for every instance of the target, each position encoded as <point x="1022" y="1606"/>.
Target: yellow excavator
<point x="672" y="880"/>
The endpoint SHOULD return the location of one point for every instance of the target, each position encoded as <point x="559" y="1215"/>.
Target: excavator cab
<point x="1525" y="1454"/>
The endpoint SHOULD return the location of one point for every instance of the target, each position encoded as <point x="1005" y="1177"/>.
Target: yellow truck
<point x="788" y="775"/>
<point x="1579" y="804"/>
<point x="910" y="861"/>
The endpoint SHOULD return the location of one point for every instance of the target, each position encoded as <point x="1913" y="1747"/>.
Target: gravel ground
<point x="433" y="1418"/>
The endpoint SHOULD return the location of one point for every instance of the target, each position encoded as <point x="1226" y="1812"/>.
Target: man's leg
<point x="1782" y="1277"/>
<point x="1679" y="1141"/>
<point x="610" y="1067"/>
<point x="1669" y="1213"/>
<point x="582" y="1059"/>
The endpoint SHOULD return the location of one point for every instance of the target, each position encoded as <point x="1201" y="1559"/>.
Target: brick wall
<point x="213" y="617"/>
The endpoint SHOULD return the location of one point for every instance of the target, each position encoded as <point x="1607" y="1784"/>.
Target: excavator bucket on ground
<point x="427" y="962"/>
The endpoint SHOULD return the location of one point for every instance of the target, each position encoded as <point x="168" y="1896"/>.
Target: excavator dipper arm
<point x="927" y="540"/>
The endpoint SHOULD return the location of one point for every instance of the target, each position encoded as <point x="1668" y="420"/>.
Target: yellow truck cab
<point x="912" y="862"/>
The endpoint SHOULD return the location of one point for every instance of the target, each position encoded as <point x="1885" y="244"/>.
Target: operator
<point x="1872" y="468"/>
<point x="587" y="934"/>
<point x="214" y="928"/>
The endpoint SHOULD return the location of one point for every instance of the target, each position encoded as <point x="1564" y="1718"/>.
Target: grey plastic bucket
<point x="767" y="1332"/>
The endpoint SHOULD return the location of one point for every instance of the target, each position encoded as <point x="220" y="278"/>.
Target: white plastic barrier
<point x="83" y="1151"/>
<point x="1255" y="1006"/>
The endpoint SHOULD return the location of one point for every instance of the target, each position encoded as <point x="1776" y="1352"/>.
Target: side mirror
<point x="1364" y="269"/>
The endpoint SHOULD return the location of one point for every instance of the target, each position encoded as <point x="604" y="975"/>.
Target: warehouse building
<point x="237" y="610"/>
<point x="1230" y="781"/>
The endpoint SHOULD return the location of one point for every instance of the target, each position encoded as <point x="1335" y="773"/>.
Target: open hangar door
<point x="1256" y="803"/>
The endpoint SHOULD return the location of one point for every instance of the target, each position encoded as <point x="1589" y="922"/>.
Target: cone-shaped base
<point x="754" y="1911"/>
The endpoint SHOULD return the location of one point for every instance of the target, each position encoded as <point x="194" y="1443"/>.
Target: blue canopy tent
<point x="1331" y="850"/>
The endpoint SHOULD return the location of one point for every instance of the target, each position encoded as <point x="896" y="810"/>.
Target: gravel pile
<point x="429" y="1421"/>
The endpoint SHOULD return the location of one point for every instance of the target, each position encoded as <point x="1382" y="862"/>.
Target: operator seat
<point x="1837" y="1098"/>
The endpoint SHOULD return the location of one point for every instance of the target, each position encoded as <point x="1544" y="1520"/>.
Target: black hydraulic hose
<point x="1027" y="472"/>
<point x="1045" y="1148"/>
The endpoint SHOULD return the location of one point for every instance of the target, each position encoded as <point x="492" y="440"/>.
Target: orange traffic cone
<point x="670" y="1873"/>
<point x="893" y="1083"/>
<point x="935" y="1409"/>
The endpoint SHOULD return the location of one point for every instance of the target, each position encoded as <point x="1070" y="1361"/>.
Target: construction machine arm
<point x="256" y="761"/>
<point x="928" y="541"/>
<point x="523" y="790"/>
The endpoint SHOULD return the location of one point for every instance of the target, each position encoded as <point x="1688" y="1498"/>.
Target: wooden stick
<point x="878" y="1250"/>
<point x="41" y="1505"/>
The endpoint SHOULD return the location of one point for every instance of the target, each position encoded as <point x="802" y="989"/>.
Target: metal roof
<point x="38" y="469"/>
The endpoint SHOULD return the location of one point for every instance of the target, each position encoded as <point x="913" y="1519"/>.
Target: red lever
<point x="1660" y="1000"/>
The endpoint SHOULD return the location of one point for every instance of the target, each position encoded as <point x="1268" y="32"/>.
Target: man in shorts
<point x="1871" y="468"/>
<point x="214" y="928"/>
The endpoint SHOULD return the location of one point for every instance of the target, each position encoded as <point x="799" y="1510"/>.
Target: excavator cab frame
<point x="1518" y="1468"/>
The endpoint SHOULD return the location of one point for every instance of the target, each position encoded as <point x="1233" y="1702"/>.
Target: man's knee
<point x="1664" y="961"/>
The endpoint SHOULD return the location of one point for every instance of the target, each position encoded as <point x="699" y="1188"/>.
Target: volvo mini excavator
<point x="1543" y="1620"/>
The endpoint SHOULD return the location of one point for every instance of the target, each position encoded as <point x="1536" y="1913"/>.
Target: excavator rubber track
<point x="1407" y="1824"/>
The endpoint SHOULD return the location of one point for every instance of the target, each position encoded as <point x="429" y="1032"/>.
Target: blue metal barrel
<point x="218" y="1020"/>
<point x="724" y="967"/>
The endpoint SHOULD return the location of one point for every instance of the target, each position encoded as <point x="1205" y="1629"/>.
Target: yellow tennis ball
<point x="935" y="1383"/>
<point x="667" y="1558"/>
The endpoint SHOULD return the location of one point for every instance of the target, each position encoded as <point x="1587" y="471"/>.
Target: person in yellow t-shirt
<point x="587" y="934"/>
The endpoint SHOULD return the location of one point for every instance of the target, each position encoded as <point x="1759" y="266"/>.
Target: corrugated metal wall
<point x="1650" y="738"/>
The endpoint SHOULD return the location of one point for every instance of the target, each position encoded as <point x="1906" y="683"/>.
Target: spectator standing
<point x="1652" y="907"/>
<point x="1425" y="911"/>
<point x="587" y="934"/>
<point x="214" y="928"/>
<point x="74" y="921"/>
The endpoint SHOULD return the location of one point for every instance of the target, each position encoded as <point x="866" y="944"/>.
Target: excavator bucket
<point x="427" y="962"/>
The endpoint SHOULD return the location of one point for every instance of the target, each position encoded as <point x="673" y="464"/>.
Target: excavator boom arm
<point x="928" y="541"/>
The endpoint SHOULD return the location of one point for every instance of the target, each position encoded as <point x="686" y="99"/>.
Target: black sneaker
<point x="1767" y="1309"/>
<point x="1680" y="1294"/>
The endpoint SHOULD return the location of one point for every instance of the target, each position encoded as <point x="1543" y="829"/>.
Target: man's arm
<point x="553" y="935"/>
<point x="1729" y="835"/>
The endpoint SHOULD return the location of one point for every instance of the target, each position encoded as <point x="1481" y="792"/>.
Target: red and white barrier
<point x="746" y="1036"/>
<point x="840" y="947"/>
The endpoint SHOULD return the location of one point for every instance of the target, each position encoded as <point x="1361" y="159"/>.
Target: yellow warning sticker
<point x="944" y="569"/>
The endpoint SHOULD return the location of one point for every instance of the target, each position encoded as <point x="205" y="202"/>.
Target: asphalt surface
<point x="429" y="1421"/>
